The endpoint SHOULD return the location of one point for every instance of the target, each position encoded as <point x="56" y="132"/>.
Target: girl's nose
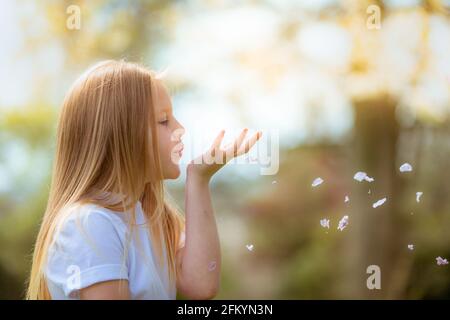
<point x="178" y="133"/>
<point x="181" y="130"/>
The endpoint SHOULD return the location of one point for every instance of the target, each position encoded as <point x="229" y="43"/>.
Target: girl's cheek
<point x="164" y="133"/>
<point x="168" y="139"/>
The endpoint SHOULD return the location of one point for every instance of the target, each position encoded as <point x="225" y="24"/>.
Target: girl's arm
<point x="107" y="290"/>
<point x="197" y="279"/>
<point x="199" y="261"/>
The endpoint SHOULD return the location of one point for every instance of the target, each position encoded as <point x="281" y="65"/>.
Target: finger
<point x="216" y="143"/>
<point x="249" y="144"/>
<point x="237" y="143"/>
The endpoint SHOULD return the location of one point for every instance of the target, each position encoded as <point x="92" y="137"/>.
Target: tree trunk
<point x="374" y="235"/>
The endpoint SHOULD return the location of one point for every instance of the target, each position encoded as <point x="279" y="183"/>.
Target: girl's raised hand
<point x="206" y="165"/>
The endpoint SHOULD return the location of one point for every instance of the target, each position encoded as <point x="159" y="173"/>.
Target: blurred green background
<point x="344" y="97"/>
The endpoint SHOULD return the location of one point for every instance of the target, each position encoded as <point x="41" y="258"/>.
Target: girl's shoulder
<point x="90" y="220"/>
<point x="88" y="211"/>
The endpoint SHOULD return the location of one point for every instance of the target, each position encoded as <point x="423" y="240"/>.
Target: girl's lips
<point x="179" y="149"/>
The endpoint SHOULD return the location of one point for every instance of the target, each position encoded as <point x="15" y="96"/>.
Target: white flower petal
<point x="343" y="223"/>
<point x="406" y="167"/>
<point x="360" y="176"/>
<point x="379" y="203"/>
<point x="316" y="182"/>
<point x="212" y="265"/>
<point x="325" y="223"/>
<point x="441" y="261"/>
<point x="418" y="195"/>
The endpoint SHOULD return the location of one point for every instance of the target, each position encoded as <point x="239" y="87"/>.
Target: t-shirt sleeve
<point x="88" y="248"/>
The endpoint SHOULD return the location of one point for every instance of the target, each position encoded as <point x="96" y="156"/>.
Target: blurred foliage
<point x="21" y="209"/>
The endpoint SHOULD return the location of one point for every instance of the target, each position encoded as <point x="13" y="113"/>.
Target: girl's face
<point x="169" y="133"/>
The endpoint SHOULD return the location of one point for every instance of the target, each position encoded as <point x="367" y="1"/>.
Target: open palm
<point x="216" y="157"/>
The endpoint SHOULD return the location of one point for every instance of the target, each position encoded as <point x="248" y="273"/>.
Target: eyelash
<point x="164" y="123"/>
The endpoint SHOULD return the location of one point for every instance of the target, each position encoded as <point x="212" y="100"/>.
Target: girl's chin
<point x="173" y="172"/>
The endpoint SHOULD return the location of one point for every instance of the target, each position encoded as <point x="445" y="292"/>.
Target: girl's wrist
<point x="193" y="173"/>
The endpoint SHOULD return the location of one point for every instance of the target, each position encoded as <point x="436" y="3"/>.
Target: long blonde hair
<point x="107" y="142"/>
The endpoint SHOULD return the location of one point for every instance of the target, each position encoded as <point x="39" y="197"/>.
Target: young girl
<point x="108" y="231"/>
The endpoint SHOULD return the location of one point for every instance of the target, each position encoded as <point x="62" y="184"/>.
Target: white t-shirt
<point x="90" y="246"/>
